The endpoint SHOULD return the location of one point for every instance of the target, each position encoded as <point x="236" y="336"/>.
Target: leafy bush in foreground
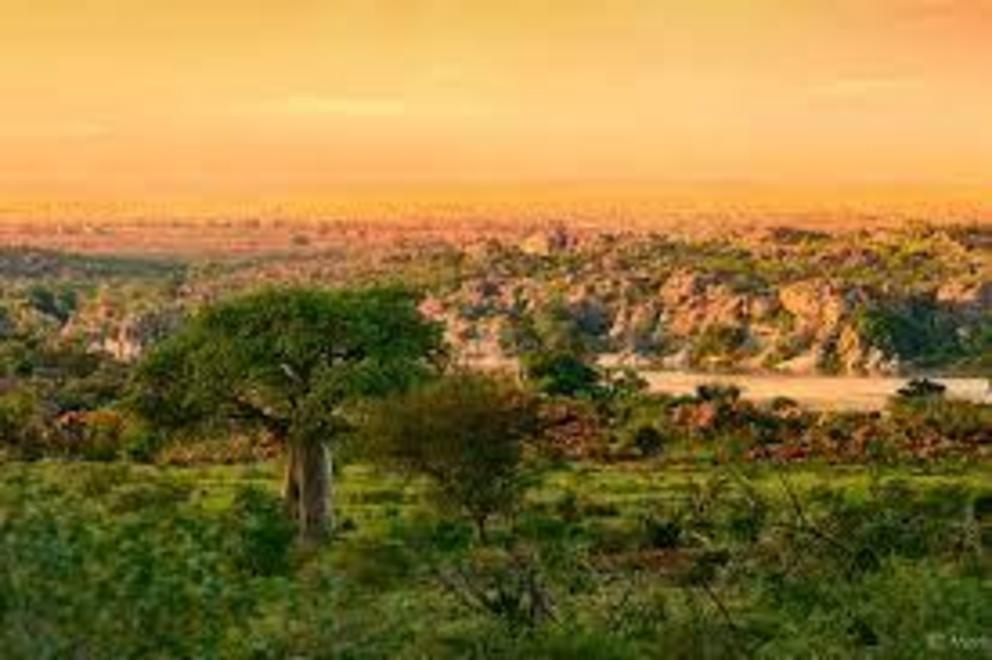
<point x="142" y="574"/>
<point x="107" y="561"/>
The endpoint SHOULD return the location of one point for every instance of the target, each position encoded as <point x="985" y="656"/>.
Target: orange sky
<point x="282" y="96"/>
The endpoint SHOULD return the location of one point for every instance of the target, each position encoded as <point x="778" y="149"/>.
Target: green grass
<point x="116" y="560"/>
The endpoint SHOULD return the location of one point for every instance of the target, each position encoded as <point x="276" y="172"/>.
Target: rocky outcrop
<point x="695" y="319"/>
<point x="816" y="305"/>
<point x="856" y="356"/>
<point x="637" y="329"/>
<point x="693" y="302"/>
<point x="768" y="299"/>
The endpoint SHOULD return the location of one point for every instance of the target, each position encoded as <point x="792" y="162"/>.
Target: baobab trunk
<point x="307" y="488"/>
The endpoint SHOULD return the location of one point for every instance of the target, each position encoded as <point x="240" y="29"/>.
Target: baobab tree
<point x="288" y="362"/>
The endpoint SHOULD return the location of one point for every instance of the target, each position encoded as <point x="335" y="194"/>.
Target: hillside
<point x="918" y="298"/>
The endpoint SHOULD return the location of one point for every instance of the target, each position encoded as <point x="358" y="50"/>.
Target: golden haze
<point x="216" y="97"/>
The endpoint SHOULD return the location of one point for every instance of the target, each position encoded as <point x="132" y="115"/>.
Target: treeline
<point x="297" y="371"/>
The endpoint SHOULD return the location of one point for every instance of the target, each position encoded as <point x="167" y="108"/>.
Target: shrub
<point x="562" y="374"/>
<point x="136" y="572"/>
<point x="662" y="533"/>
<point x="140" y="443"/>
<point x="571" y="429"/>
<point x="262" y="534"/>
<point x="950" y="419"/>
<point x="916" y="329"/>
<point x="466" y="434"/>
<point x="59" y="304"/>
<point x="21" y="425"/>
<point x="648" y="440"/>
<point x="718" y="393"/>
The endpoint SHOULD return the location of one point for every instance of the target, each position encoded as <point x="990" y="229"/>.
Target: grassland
<point x="634" y="561"/>
<point x="695" y="524"/>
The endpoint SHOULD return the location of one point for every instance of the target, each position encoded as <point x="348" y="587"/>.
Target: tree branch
<point x="275" y="425"/>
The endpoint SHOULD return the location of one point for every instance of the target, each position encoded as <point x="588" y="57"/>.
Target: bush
<point x="22" y="424"/>
<point x="262" y="534"/>
<point x="58" y="304"/>
<point x="916" y="329"/>
<point x="466" y="434"/>
<point x="961" y="422"/>
<point x="562" y="374"/>
<point x="662" y="533"/>
<point x="150" y="577"/>
<point x="140" y="443"/>
<point x="648" y="440"/>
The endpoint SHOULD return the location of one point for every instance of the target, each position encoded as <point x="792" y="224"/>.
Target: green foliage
<point x="662" y="533"/>
<point x="561" y="328"/>
<point x="981" y="344"/>
<point x="94" y="435"/>
<point x="112" y="561"/>
<point x="466" y="434"/>
<point x="140" y="443"/>
<point x="916" y="329"/>
<point x="50" y="379"/>
<point x="149" y="578"/>
<point x="262" y="536"/>
<point x="86" y="381"/>
<point x="589" y="645"/>
<point x="285" y="361"/>
<point x="562" y="374"/>
<point x="620" y="560"/>
<point x="718" y="393"/>
<point x="22" y="422"/>
<point x="7" y="324"/>
<point x="648" y="440"/>
<point x="58" y="304"/>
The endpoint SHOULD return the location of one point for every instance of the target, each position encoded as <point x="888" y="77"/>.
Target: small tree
<point x="466" y="434"/>
<point x="287" y="362"/>
<point x="562" y="374"/>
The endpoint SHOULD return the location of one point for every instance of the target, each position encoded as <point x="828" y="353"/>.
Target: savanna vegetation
<point x="194" y="467"/>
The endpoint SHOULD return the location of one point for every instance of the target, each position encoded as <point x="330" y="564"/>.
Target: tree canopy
<point x="287" y="361"/>
<point x="284" y="360"/>
<point x="465" y="433"/>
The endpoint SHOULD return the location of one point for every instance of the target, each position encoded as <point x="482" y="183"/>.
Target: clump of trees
<point x="920" y="330"/>
<point x="288" y="363"/>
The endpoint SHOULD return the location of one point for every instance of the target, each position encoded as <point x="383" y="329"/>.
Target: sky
<point x="160" y="96"/>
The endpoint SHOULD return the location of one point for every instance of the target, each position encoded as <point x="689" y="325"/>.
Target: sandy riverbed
<point x="823" y="392"/>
